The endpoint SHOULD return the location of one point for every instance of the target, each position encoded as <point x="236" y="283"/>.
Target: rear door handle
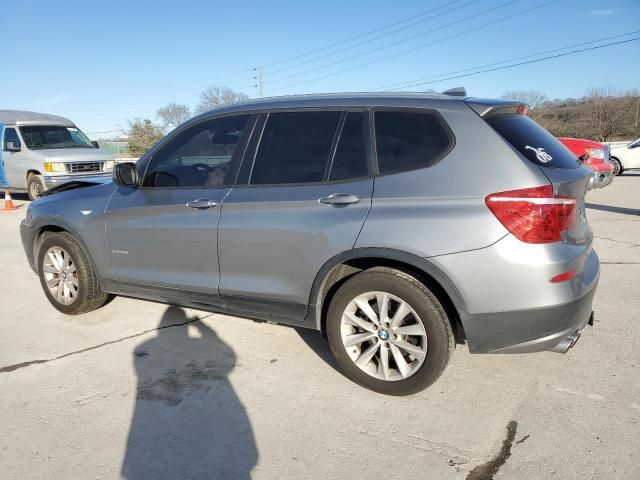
<point x="201" y="204"/>
<point x="339" y="199"/>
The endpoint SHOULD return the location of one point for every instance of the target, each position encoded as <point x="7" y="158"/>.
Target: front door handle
<point x="339" y="199"/>
<point x="201" y="204"/>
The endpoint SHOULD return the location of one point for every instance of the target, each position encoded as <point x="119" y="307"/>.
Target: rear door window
<point x="351" y="160"/>
<point x="533" y="141"/>
<point x="295" y="148"/>
<point x="410" y="140"/>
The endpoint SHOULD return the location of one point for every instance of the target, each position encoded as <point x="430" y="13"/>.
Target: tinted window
<point x="350" y="159"/>
<point x="10" y="135"/>
<point x="409" y="140"/>
<point x="294" y="148"/>
<point x="533" y="141"/>
<point x="203" y="155"/>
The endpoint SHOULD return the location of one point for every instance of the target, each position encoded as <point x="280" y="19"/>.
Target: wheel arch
<point x="342" y="266"/>
<point x="46" y="225"/>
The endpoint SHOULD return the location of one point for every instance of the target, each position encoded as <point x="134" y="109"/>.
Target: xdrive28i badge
<point x="541" y="155"/>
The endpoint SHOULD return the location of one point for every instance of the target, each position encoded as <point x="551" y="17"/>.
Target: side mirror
<point x="12" y="147"/>
<point x="125" y="174"/>
<point x="95" y="144"/>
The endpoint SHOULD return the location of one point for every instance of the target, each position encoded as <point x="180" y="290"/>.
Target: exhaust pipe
<point x="566" y="343"/>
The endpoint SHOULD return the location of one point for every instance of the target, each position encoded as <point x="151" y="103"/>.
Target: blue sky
<point x="101" y="63"/>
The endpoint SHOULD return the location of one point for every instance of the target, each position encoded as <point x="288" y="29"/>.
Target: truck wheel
<point x="35" y="187"/>
<point x="67" y="277"/>
<point x="617" y="166"/>
<point x="388" y="332"/>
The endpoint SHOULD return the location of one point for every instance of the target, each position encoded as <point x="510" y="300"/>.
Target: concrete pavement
<point x="139" y="390"/>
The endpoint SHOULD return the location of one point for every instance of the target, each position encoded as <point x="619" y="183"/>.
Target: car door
<point x="163" y="234"/>
<point x="307" y="192"/>
<point x="632" y="155"/>
<point x="14" y="162"/>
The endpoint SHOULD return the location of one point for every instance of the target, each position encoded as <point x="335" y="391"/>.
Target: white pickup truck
<point x="40" y="151"/>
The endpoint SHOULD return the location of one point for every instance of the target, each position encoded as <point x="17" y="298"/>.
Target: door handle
<point x="339" y="199"/>
<point x="201" y="204"/>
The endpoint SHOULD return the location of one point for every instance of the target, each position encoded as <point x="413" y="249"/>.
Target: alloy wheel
<point x="60" y="275"/>
<point x="383" y="336"/>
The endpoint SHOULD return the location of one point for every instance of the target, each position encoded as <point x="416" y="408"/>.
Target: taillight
<point x="534" y="215"/>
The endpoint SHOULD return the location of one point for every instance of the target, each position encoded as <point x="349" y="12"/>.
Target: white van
<point x="40" y="151"/>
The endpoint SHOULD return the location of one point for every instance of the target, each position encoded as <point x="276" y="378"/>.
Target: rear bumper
<point x="51" y="181"/>
<point x="511" y="305"/>
<point x="554" y="328"/>
<point x="600" y="179"/>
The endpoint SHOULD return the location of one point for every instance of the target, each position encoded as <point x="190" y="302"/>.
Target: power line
<point x="419" y="47"/>
<point x="409" y="83"/>
<point x="525" y="63"/>
<point x="161" y="90"/>
<point x="172" y="87"/>
<point x="357" y="37"/>
<point x="393" y="44"/>
<point x="315" y="59"/>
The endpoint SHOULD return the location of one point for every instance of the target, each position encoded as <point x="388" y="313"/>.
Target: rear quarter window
<point x="407" y="140"/>
<point x="535" y="143"/>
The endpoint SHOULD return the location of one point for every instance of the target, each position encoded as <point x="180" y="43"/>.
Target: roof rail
<point x="456" y="92"/>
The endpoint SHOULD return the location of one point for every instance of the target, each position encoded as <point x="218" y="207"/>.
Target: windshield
<point x="53" y="136"/>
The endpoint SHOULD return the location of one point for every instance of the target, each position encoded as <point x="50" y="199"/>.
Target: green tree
<point x="143" y="134"/>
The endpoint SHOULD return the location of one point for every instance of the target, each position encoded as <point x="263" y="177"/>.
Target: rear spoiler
<point x="487" y="107"/>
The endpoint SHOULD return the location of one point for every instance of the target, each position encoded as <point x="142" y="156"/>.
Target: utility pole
<point x="261" y="82"/>
<point x="637" y="112"/>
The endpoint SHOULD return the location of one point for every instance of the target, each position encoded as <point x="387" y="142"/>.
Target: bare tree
<point x="174" y="114"/>
<point x="606" y="116"/>
<point x="533" y="98"/>
<point x="215" y="95"/>
<point x="142" y="134"/>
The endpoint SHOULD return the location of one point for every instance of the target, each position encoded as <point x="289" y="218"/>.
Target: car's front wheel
<point x="388" y="332"/>
<point x="35" y="187"/>
<point x="617" y="166"/>
<point x="66" y="275"/>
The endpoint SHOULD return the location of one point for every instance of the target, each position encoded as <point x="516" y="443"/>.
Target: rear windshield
<point x="533" y="141"/>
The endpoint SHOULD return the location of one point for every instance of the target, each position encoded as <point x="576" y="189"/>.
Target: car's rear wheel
<point x="66" y="275"/>
<point x="35" y="187"/>
<point x="617" y="166"/>
<point x="388" y="332"/>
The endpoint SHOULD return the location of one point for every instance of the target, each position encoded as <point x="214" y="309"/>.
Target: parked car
<point x="40" y="151"/>
<point x="594" y="155"/>
<point x="378" y="219"/>
<point x="626" y="157"/>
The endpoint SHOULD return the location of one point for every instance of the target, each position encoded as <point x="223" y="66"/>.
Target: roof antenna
<point x="456" y="92"/>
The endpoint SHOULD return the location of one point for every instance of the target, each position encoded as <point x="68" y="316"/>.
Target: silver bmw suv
<point x="396" y="224"/>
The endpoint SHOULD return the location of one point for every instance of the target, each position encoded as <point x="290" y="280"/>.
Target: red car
<point x="595" y="155"/>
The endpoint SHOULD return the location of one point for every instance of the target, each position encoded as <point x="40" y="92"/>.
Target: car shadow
<point x="319" y="345"/>
<point x="610" y="208"/>
<point x="188" y="421"/>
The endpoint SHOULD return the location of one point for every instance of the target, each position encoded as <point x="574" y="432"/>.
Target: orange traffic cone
<point x="8" y="203"/>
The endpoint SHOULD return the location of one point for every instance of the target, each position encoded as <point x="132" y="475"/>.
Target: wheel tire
<point x="35" y="187"/>
<point x="440" y="339"/>
<point x="89" y="295"/>
<point x="617" y="166"/>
